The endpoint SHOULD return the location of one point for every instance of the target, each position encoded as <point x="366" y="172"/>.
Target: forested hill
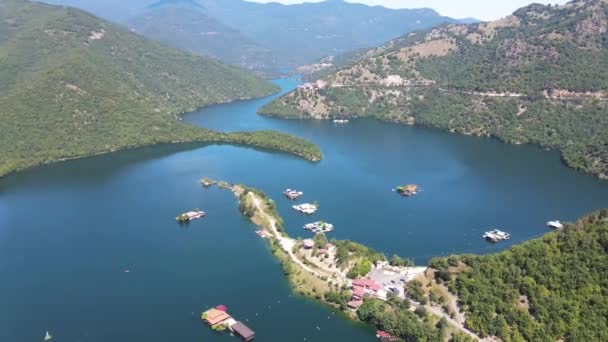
<point x="549" y="289"/>
<point x="537" y="76"/>
<point x="74" y="85"/>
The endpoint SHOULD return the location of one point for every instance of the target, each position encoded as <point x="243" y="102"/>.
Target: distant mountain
<point x="75" y="85"/>
<point x="537" y="76"/>
<point x="295" y="34"/>
<point x="117" y="11"/>
<point x="185" y="25"/>
<point x="301" y="34"/>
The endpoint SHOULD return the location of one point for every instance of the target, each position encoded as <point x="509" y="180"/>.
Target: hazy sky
<point x="480" y="9"/>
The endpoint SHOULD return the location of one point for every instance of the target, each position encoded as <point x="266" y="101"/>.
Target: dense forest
<point x="74" y="85"/>
<point x="548" y="289"/>
<point x="537" y="76"/>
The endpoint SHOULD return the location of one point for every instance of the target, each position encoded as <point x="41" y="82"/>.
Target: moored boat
<point x="555" y="225"/>
<point x="496" y="235"/>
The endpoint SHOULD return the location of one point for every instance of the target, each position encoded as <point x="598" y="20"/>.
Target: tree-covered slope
<point x="537" y="76"/>
<point x="75" y="85"/>
<point x="549" y="289"/>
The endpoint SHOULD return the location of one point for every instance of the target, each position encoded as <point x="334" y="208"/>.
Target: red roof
<point x="322" y="251"/>
<point x="367" y="283"/>
<point x="221" y="308"/>
<point x="358" y="291"/>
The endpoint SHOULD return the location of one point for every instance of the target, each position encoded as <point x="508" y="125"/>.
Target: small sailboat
<point x="48" y="336"/>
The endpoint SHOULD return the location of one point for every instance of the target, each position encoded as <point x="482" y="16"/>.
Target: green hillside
<point x="74" y="85"/>
<point x="538" y="76"/>
<point x="549" y="289"/>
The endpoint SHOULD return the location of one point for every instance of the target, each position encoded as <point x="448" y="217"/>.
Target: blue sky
<point x="480" y="9"/>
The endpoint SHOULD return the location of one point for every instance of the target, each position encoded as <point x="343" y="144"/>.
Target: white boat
<point x="305" y="208"/>
<point x="341" y="121"/>
<point x="293" y="194"/>
<point x="555" y="225"/>
<point x="496" y="235"/>
<point x="48" y="337"/>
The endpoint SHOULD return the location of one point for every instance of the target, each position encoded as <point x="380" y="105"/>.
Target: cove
<point x="68" y="231"/>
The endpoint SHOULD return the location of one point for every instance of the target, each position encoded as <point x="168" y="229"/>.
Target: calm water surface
<point x="69" y="231"/>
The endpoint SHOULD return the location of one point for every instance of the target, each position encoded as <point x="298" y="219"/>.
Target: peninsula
<point x="461" y="297"/>
<point x="74" y="85"/>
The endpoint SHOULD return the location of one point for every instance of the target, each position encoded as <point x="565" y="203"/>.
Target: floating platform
<point x="319" y="227"/>
<point x="341" y="121"/>
<point x="496" y="235"/>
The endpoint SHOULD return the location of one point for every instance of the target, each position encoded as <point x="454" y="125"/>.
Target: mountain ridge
<point x="294" y="34"/>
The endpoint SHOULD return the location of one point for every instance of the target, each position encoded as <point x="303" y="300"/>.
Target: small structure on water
<point x="496" y="235"/>
<point x="219" y="320"/>
<point x="555" y="225"/>
<point x="386" y="337"/>
<point x="319" y="227"/>
<point x="306" y="208"/>
<point x="408" y="190"/>
<point x="341" y="121"/>
<point x="189" y="216"/>
<point x="243" y="331"/>
<point x="293" y="194"/>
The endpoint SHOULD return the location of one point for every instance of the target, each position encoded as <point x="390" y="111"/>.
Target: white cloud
<point x="480" y="9"/>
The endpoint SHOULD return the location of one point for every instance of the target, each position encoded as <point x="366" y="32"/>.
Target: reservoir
<point x="90" y="250"/>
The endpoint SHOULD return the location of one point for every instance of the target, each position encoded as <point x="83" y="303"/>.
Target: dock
<point x="190" y="215"/>
<point x="306" y="208"/>
<point x="319" y="227"/>
<point x="341" y="121"/>
<point x="293" y="194"/>
<point x="496" y="235"/>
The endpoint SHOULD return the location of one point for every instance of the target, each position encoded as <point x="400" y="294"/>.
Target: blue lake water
<point x="69" y="231"/>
